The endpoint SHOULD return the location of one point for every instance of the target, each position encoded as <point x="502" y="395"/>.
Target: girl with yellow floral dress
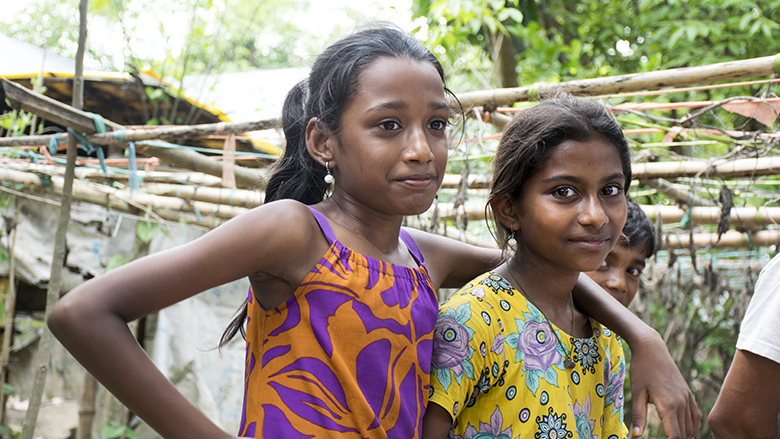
<point x="513" y="357"/>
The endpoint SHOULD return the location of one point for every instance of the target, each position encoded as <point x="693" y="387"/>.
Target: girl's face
<point x="572" y="211"/>
<point x="391" y="152"/>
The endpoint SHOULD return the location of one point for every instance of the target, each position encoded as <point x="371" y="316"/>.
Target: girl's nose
<point x="593" y="213"/>
<point x="418" y="149"/>
<point x="617" y="282"/>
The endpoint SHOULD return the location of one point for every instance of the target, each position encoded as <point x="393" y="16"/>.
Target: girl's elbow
<point x="64" y="316"/>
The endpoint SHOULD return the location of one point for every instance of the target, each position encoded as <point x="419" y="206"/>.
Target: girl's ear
<point x="319" y="141"/>
<point x="503" y="208"/>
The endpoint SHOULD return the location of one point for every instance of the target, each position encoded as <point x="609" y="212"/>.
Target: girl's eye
<point x="633" y="271"/>
<point x="438" y="125"/>
<point x="613" y="190"/>
<point x="564" y="192"/>
<point x="389" y="125"/>
<point x="604" y="265"/>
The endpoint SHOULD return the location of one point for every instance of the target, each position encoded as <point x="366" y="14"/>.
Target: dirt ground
<point x="56" y="419"/>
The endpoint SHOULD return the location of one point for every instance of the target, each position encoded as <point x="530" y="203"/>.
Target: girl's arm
<point x="91" y="320"/>
<point x="437" y="422"/>
<point x="654" y="375"/>
<point x="452" y="263"/>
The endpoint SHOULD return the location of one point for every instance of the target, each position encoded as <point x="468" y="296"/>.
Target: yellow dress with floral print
<point x="498" y="370"/>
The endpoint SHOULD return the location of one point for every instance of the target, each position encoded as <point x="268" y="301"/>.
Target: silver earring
<point x="512" y="242"/>
<point x="329" y="177"/>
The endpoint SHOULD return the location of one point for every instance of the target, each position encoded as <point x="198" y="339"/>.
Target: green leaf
<point x="145" y="230"/>
<point x="116" y="261"/>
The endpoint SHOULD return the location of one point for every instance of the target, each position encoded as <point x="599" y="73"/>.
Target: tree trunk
<point x="504" y="61"/>
<point x="43" y="356"/>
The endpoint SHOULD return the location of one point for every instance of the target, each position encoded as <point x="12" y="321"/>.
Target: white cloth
<point x="760" y="330"/>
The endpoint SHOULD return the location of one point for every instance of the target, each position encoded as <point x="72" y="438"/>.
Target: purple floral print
<point x="539" y="345"/>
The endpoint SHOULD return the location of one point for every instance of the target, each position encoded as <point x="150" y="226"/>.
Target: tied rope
<point x="132" y="166"/>
<point x="84" y="143"/>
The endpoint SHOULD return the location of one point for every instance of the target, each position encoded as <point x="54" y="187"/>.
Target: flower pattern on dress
<point x="613" y="381"/>
<point x="582" y="420"/>
<point x="538" y="348"/>
<point x="552" y="426"/>
<point x="487" y="431"/>
<point x="451" y="351"/>
<point x="586" y="352"/>
<point x="482" y="386"/>
<point x="499" y="284"/>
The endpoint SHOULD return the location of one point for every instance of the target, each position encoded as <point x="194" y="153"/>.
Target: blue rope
<point x="89" y="148"/>
<point x="54" y="142"/>
<point x="132" y="167"/>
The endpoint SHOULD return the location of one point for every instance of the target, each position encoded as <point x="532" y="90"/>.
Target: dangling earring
<point x="329" y="177"/>
<point x="512" y="242"/>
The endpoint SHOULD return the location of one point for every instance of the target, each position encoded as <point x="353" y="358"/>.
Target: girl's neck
<point x="368" y="232"/>
<point x="545" y="284"/>
<point x="549" y="289"/>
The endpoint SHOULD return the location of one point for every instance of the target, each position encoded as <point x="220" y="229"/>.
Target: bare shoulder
<point x="273" y="235"/>
<point x="452" y="263"/>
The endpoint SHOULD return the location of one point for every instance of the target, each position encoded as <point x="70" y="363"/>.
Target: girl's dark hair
<point x="639" y="230"/>
<point x="332" y="82"/>
<point x="532" y="135"/>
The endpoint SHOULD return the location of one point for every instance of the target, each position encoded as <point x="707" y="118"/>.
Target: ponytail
<point x="296" y="174"/>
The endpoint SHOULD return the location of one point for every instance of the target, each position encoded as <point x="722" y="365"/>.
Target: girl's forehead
<point x="389" y="72"/>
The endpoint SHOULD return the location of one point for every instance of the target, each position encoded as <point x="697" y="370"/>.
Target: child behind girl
<point x="619" y="273"/>
<point x="342" y="308"/>
<point x="513" y="357"/>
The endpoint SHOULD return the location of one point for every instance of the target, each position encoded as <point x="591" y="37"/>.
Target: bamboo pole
<point x="229" y="197"/>
<point x="47" y="108"/>
<point x="680" y="77"/>
<point x="10" y="311"/>
<point x="730" y="239"/>
<point x="94" y="174"/>
<point x="757" y="167"/>
<point x="87" y="407"/>
<point x="43" y="357"/>
<point x="747" y="217"/>
<point x="124" y="201"/>
<point x="679" y="194"/>
<point x="730" y="169"/>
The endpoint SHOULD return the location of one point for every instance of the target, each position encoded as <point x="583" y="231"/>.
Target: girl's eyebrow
<point x="573" y="179"/>
<point x="400" y="105"/>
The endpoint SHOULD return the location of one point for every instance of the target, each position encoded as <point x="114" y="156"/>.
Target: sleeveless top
<point x="348" y="355"/>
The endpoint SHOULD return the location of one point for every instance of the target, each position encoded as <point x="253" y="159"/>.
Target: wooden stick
<point x="681" y="195"/>
<point x="43" y="356"/>
<point x="730" y="239"/>
<point x="685" y="76"/>
<point x="645" y="171"/>
<point x="746" y="217"/>
<point x="80" y="121"/>
<point x="10" y="312"/>
<point x="167" y="208"/>
<point x="230" y="197"/>
<point x="87" y="407"/>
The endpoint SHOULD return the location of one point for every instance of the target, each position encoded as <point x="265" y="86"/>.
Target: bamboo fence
<point x="190" y="193"/>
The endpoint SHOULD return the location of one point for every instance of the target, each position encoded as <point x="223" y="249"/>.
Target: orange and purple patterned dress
<point x="348" y="355"/>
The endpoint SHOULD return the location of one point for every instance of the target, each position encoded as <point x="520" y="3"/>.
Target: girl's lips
<point x="418" y="179"/>
<point x="592" y="243"/>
